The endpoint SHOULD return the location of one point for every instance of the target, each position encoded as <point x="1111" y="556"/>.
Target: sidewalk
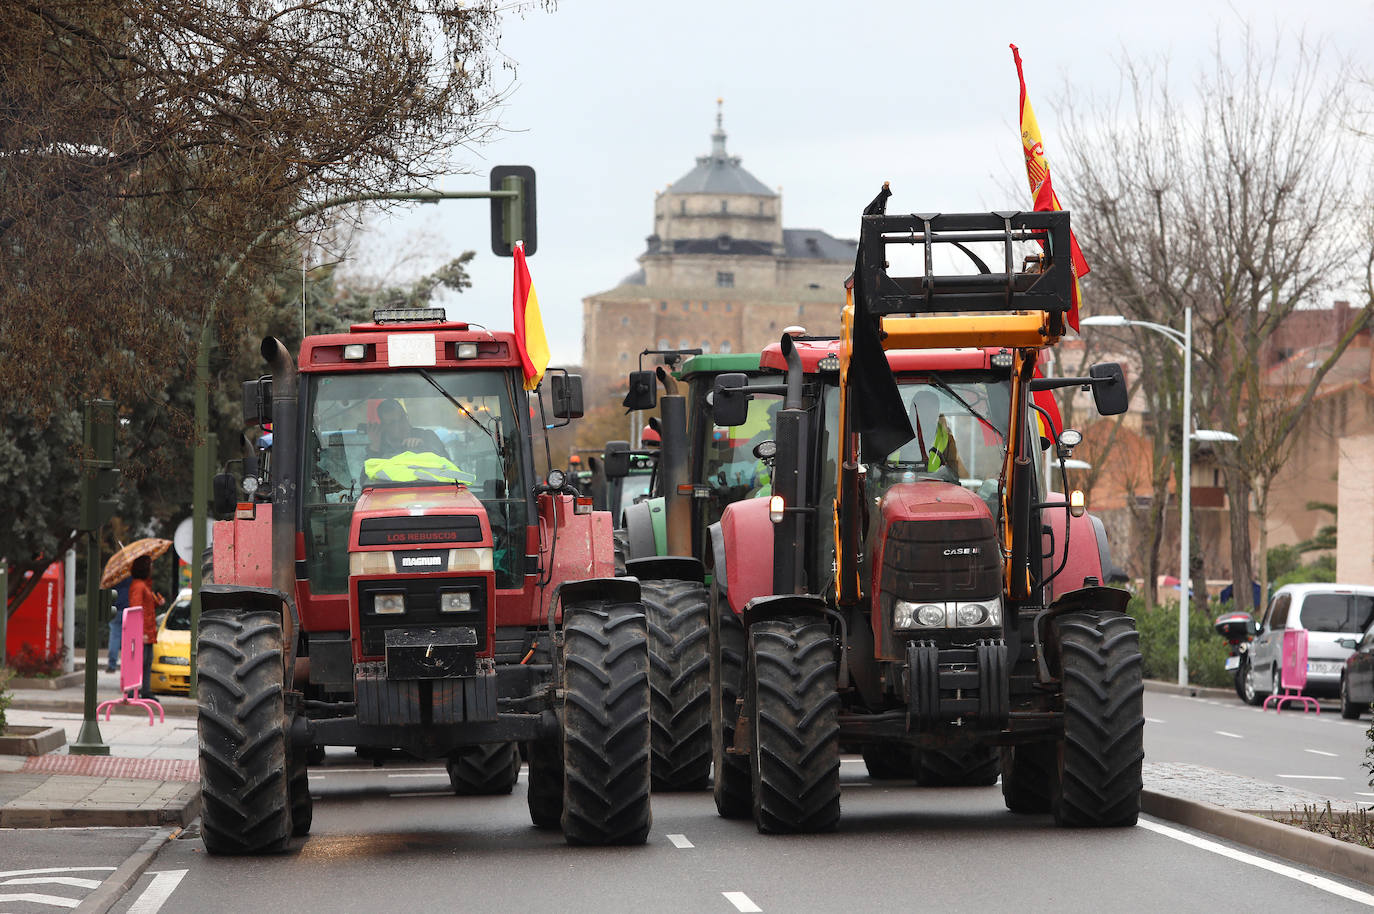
<point x="150" y="777"/>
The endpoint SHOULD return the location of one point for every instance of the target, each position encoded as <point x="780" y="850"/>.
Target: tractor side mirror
<point x="616" y="460"/>
<point x="567" y="396"/>
<point x="1109" y="388"/>
<point x="643" y="392"/>
<point x="257" y="401"/>
<point x="224" y="498"/>
<point x="729" y="399"/>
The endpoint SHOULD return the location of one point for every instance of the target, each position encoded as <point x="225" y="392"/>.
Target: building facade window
<point x="686" y="306"/>
<point x="729" y="306"/>
<point x="724" y="345"/>
<point x="724" y="207"/>
<point x="705" y="347"/>
<point x="725" y="279"/>
<point x="663" y="343"/>
<point x="625" y="321"/>
<point x="663" y="306"/>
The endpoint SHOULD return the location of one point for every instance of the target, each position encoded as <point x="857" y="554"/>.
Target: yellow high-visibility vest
<point x="409" y="466"/>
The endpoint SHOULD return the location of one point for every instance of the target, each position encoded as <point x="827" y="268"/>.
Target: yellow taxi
<point x="171" y="670"/>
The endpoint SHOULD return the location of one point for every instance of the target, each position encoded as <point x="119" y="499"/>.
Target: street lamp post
<point x="1184" y="341"/>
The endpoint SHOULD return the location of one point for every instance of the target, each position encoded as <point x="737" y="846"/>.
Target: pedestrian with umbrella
<point x="141" y="593"/>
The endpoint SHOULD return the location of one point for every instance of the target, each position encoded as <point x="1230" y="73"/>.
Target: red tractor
<point x="929" y="601"/>
<point x="400" y="580"/>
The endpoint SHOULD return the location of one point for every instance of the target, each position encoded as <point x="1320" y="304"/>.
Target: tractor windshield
<point x="409" y="428"/>
<point x="960" y="420"/>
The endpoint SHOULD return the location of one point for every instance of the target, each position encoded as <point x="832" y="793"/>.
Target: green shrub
<point x="1207" y="650"/>
<point x="1322" y="571"/>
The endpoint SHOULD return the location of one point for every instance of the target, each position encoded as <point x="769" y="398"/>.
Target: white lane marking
<point x="157" y="892"/>
<point x="1362" y="793"/>
<point x="60" y="869"/>
<point x="680" y="841"/>
<point x="1317" y="882"/>
<point x="60" y="902"/>
<point x="1313" y="777"/>
<point x="1155" y="720"/>
<point x="54" y="880"/>
<point x="1319" y="752"/>
<point x="428" y="774"/>
<point x="741" y="902"/>
<point x="851" y="761"/>
<point x="368" y="770"/>
<point x="1228" y="735"/>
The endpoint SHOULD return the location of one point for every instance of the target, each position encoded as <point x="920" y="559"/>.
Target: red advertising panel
<point x="38" y="622"/>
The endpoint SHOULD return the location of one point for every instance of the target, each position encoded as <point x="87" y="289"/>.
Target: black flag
<point x="880" y="416"/>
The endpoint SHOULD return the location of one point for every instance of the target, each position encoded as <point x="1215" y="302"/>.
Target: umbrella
<point x="117" y="568"/>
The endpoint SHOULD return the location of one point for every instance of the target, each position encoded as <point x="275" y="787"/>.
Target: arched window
<point x="663" y="343"/>
<point x="724" y="345"/>
<point x="705" y="347"/>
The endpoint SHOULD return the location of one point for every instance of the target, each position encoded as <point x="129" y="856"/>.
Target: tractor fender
<point x="639" y="530"/>
<point x="667" y="568"/>
<point x="718" y="556"/>
<point x="1086" y="556"/>
<point x="783" y="606"/>
<point x="589" y="590"/>
<point x="241" y="598"/>
<point x="1082" y="599"/>
<point x="747" y="536"/>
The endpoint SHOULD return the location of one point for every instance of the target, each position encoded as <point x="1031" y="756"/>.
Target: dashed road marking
<point x="742" y="903"/>
<point x="1319" y="752"/>
<point x="433" y="773"/>
<point x="1228" y="735"/>
<point x="680" y="841"/>
<point x="157" y="892"/>
<point x="1317" y="882"/>
<point x="1313" y="777"/>
<point x="1155" y="720"/>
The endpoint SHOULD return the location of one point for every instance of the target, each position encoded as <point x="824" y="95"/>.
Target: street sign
<point x="181" y="540"/>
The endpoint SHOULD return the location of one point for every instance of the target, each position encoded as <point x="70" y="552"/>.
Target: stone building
<point x="719" y="272"/>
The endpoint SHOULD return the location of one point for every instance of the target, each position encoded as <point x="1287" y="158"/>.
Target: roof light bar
<point x="408" y="315"/>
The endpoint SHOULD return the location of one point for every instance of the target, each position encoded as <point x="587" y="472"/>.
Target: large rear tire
<point x="889" y="761"/>
<point x="1030" y="777"/>
<point x="605" y="724"/>
<point x="732" y="787"/>
<point x="1104" y="720"/>
<point x="620" y="540"/>
<point x="545" y="793"/>
<point x="679" y="682"/>
<point x="970" y="766"/>
<point x="488" y="769"/>
<point x="245" y="802"/>
<point x="796" y="733"/>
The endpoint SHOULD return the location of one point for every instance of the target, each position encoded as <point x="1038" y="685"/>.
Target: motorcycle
<point x="1238" y="628"/>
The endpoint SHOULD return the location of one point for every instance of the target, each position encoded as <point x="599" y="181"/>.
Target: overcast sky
<point x="612" y="101"/>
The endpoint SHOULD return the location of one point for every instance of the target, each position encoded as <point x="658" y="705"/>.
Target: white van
<point x="1330" y="613"/>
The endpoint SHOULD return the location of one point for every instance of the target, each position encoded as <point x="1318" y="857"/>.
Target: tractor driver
<point x="393" y="434"/>
<point x="934" y="437"/>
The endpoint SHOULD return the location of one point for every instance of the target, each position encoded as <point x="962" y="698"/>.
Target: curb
<point x="123" y="878"/>
<point x="179" y="811"/>
<point x="1192" y="691"/>
<point x="78" y="706"/>
<point x="1252" y="829"/>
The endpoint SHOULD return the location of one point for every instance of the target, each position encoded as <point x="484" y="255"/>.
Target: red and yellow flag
<point x="1042" y="191"/>
<point x="529" y="325"/>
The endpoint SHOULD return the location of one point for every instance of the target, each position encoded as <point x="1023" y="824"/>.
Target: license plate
<point x="1323" y="667"/>
<point x="1232" y="663"/>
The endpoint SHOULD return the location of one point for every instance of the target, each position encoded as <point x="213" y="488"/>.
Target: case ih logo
<point x="962" y="550"/>
<point x="421" y="561"/>
<point x="423" y="536"/>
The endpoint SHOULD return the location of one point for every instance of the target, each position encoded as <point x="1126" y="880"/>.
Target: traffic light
<point x="512" y="218"/>
<point x="100" y="476"/>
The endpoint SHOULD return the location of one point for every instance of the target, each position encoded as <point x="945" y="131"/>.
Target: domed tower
<point x="717" y="210"/>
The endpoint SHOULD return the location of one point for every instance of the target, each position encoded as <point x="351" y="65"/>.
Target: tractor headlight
<point x="972" y="614"/>
<point x="388" y="604"/>
<point x="455" y="601"/>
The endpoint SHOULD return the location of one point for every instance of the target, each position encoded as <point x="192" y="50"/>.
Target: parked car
<point x="1334" y="615"/>
<point x="1357" y="679"/>
<point x="171" y="669"/>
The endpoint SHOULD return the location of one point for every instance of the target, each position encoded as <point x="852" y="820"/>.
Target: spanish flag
<point x="529" y="326"/>
<point x="1042" y="191"/>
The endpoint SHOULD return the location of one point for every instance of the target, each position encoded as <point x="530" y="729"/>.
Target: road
<point x="1320" y="753"/>
<point x="394" y="838"/>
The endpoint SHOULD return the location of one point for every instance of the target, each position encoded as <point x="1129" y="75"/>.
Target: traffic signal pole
<point x="97" y="484"/>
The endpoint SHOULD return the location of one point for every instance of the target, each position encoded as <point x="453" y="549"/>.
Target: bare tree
<point x="1235" y="201"/>
<point x="144" y="146"/>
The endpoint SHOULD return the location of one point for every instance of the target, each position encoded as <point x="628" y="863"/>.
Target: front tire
<point x="1030" y="777"/>
<point x="605" y="724"/>
<point x="733" y="787"/>
<point x="1104" y="720"/>
<point x="545" y="792"/>
<point x="889" y="761"/>
<point x="795" y="719"/>
<point x="679" y="682"/>
<point x="1250" y="693"/>
<point x="488" y="769"/>
<point x="242" y="728"/>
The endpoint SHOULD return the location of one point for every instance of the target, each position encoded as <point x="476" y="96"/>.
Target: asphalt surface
<point x="394" y="838"/>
